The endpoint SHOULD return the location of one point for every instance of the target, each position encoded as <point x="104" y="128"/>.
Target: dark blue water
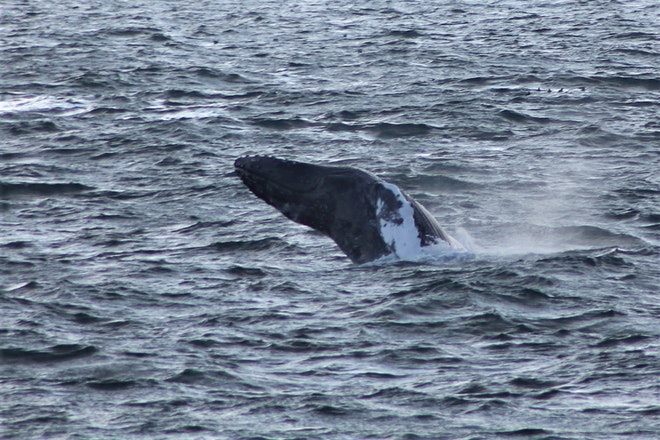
<point x="145" y="293"/>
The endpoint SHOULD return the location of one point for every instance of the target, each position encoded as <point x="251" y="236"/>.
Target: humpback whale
<point x="366" y="216"/>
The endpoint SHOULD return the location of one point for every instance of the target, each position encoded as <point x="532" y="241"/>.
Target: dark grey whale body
<point x="367" y="217"/>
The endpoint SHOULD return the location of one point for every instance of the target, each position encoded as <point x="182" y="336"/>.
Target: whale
<point x="367" y="217"/>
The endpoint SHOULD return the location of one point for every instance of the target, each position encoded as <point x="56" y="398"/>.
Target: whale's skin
<point x="367" y="217"/>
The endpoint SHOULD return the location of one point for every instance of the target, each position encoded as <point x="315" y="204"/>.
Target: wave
<point x="41" y="104"/>
<point x="630" y="82"/>
<point x="381" y="130"/>
<point x="520" y="117"/>
<point x="384" y="130"/>
<point x="608" y="258"/>
<point x="433" y="182"/>
<point x="525" y="238"/>
<point x="387" y="130"/>
<point x="211" y="73"/>
<point x="32" y="127"/>
<point x="56" y="353"/>
<point x="263" y="244"/>
<point x="11" y="190"/>
<point x="282" y="124"/>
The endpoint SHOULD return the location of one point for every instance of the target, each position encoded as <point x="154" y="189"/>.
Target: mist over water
<point x="146" y="293"/>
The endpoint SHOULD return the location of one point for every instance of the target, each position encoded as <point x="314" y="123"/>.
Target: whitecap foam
<point x="43" y="103"/>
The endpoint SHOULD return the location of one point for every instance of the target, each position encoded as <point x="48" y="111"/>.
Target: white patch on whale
<point x="398" y="228"/>
<point x="400" y="233"/>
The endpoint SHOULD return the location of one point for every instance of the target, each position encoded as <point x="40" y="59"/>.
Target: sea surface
<point x="146" y="293"/>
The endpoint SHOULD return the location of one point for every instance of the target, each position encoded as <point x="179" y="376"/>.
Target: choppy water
<point x="145" y="293"/>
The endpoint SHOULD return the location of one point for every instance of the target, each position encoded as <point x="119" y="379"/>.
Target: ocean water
<point x="146" y="293"/>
